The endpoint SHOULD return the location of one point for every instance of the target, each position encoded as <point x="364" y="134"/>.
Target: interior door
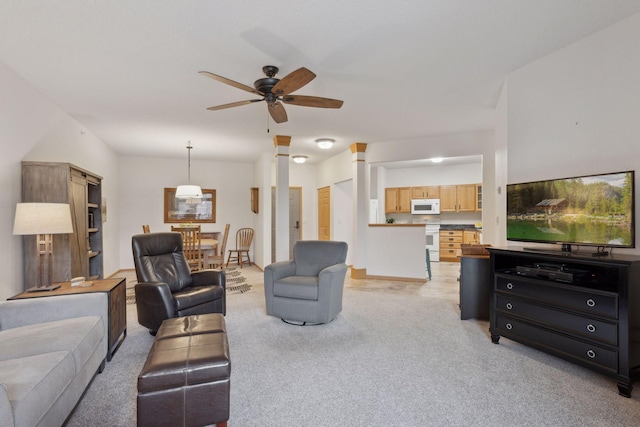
<point x="324" y="217"/>
<point x="80" y="238"/>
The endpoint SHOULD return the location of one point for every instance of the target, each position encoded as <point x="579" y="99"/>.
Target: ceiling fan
<point x="277" y="91"/>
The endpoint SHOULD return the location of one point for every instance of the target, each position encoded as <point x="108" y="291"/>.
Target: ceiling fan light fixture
<point x="189" y="191"/>
<point x="325" y="143"/>
<point x="300" y="159"/>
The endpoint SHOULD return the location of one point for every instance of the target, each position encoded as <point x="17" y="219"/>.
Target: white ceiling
<point x="128" y="70"/>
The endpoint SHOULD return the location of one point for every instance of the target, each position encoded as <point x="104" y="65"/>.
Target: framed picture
<point x="189" y="210"/>
<point x="255" y="200"/>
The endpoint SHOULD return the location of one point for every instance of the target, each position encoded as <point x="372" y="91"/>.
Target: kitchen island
<point x="397" y="252"/>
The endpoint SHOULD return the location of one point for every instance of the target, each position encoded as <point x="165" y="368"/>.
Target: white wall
<point x="576" y="111"/>
<point x="143" y="179"/>
<point x="262" y="220"/>
<point x="33" y="128"/>
<point x="342" y="198"/>
<point x="434" y="175"/>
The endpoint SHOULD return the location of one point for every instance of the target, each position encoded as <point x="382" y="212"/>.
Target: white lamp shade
<point x="42" y="218"/>
<point x="188" y="192"/>
<point x="299" y="159"/>
<point x="325" y="143"/>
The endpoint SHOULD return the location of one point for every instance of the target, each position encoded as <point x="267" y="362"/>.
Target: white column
<point x="281" y="144"/>
<point x="360" y="211"/>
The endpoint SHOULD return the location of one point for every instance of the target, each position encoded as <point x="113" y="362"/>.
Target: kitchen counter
<point x="464" y="227"/>
<point x="396" y="225"/>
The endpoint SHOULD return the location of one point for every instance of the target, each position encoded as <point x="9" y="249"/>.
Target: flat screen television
<point x="593" y="210"/>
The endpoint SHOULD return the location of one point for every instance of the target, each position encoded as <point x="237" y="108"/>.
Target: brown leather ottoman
<point x="185" y="380"/>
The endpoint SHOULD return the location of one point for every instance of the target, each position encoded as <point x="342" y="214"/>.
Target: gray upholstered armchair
<point x="166" y="287"/>
<point x="307" y="289"/>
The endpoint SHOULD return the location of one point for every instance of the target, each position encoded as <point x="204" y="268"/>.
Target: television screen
<point x="594" y="210"/>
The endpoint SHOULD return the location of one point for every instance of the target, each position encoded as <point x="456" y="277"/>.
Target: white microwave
<point x="425" y="206"/>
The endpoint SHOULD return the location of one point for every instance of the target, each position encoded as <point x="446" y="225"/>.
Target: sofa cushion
<point x="193" y="296"/>
<point x="34" y="383"/>
<point x="298" y="287"/>
<point x="80" y="336"/>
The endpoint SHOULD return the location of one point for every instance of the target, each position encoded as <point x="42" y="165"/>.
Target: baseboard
<point x="398" y="279"/>
<point x="121" y="272"/>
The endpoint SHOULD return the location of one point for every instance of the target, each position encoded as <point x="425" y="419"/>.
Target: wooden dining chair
<point x="192" y="245"/>
<point x="244" y="237"/>
<point x="146" y="229"/>
<point x="218" y="260"/>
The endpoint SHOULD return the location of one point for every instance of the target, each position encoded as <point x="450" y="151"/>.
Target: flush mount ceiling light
<point x="300" y="159"/>
<point x="325" y="143"/>
<point x="437" y="159"/>
<point x="189" y="191"/>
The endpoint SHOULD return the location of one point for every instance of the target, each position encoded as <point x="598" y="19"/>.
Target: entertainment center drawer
<point x="604" y="332"/>
<point x="557" y="343"/>
<point x="592" y="301"/>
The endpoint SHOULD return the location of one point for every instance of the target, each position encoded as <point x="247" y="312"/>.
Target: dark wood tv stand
<point x="593" y="321"/>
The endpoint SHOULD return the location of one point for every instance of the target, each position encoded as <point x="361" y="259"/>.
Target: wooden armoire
<point x="77" y="254"/>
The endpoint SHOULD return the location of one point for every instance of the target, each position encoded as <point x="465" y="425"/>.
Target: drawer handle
<point x="509" y="326"/>
<point x="509" y="285"/>
<point x="509" y="306"/>
<point x="591" y="354"/>
<point x="591" y="303"/>
<point x="591" y="328"/>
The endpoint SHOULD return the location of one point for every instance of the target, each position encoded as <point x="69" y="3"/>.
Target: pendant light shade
<point x="189" y="191"/>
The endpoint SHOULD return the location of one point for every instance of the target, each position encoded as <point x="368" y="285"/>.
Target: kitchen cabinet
<point x="470" y="237"/>
<point x="479" y="197"/>
<point x="450" y="241"/>
<point x="427" y="192"/>
<point x="458" y="198"/>
<point x="397" y="200"/>
<point x="77" y="254"/>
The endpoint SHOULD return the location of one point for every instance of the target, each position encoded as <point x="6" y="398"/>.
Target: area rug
<point x="236" y="284"/>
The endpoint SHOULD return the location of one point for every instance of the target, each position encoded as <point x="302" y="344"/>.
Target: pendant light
<point x="189" y="191"/>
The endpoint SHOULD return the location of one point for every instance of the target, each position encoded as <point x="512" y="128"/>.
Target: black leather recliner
<point x="166" y="287"/>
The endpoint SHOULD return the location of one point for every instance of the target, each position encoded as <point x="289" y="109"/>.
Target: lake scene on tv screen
<point x="591" y="210"/>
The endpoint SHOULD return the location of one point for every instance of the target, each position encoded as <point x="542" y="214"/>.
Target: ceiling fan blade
<point x="277" y="112"/>
<point x="233" y="104"/>
<point x="312" y="101"/>
<point x="293" y="81"/>
<point x="230" y="82"/>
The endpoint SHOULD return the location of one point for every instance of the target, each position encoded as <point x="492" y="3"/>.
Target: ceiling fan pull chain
<point x="267" y="122"/>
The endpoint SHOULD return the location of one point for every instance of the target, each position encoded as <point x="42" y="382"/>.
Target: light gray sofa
<point x="50" y="349"/>
<point x="307" y="289"/>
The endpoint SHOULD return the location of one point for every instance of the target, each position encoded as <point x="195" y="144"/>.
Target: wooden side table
<point x="116" y="290"/>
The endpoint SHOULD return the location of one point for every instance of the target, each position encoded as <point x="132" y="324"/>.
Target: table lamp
<point x="43" y="220"/>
